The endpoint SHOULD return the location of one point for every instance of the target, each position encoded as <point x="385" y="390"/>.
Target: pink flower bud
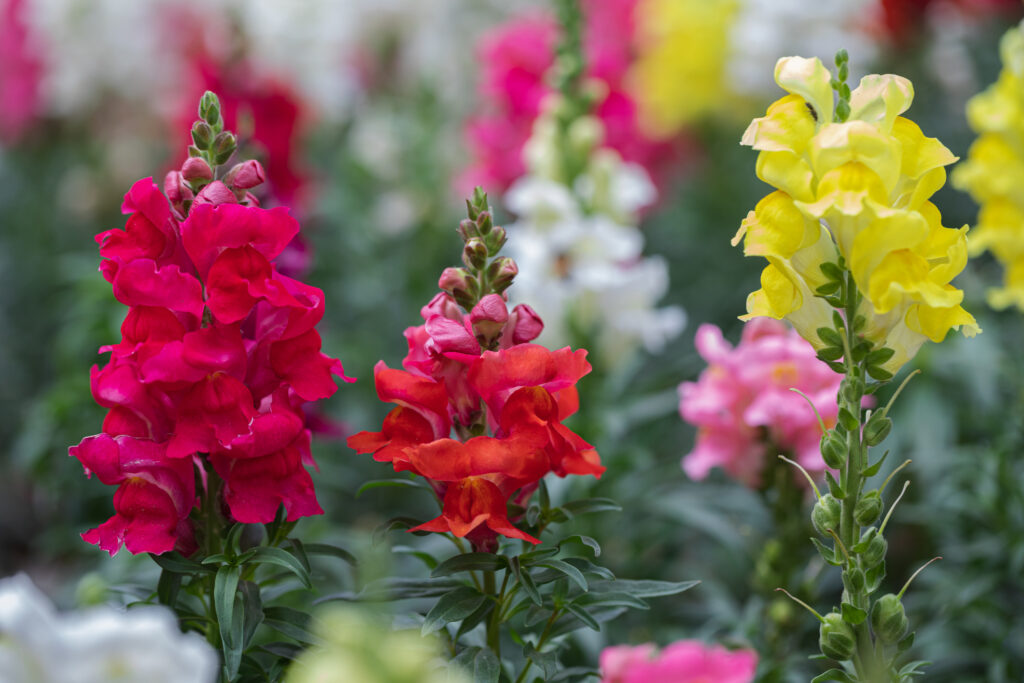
<point x="216" y="193"/>
<point x="245" y="175"/>
<point x="444" y="305"/>
<point x="251" y="199"/>
<point x="501" y="273"/>
<point x="453" y="279"/>
<point x="176" y="189"/>
<point x="195" y="168"/>
<point x="526" y="324"/>
<point x="488" y="318"/>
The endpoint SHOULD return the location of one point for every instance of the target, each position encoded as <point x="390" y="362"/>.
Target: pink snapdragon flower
<point x="21" y="72"/>
<point x="687" y="661"/>
<point x="515" y="59"/>
<point x="742" y="405"/>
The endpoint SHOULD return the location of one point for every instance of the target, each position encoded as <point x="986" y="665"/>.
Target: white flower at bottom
<point x="94" y="645"/>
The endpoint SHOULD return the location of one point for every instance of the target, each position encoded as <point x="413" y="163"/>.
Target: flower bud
<point x="176" y="189"/>
<point x="245" y="175"/>
<point x="826" y="514"/>
<point x="495" y="240"/>
<point x="836" y="638"/>
<point x="209" y="108"/>
<point x="875" y="552"/>
<point x="202" y="134"/>
<point x="852" y="390"/>
<point x="223" y="147"/>
<point x="585" y="133"/>
<point x="488" y="318"/>
<point x="527" y="325"/>
<point x="877" y="429"/>
<point x="250" y="200"/>
<point x="474" y="255"/>
<point x="853" y="580"/>
<point x="501" y="272"/>
<point x="467" y="229"/>
<point x="195" y="168"/>
<point x="889" y="619"/>
<point x="216" y="193"/>
<point x="484" y="222"/>
<point x="868" y="508"/>
<point x="833" y="450"/>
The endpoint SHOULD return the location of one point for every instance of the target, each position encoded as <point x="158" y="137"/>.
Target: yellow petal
<point x="777" y="228"/>
<point x="880" y="98"/>
<point x="903" y="275"/>
<point x="787" y="126"/>
<point x="839" y="143"/>
<point x="788" y="172"/>
<point x="935" y="323"/>
<point x="809" y="79"/>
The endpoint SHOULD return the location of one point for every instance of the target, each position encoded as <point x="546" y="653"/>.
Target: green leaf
<point x="486" y="667"/>
<point x="832" y="271"/>
<point x="865" y="540"/>
<point x="547" y="662"/>
<point x="395" y="588"/>
<point x="426" y="558"/>
<point x="586" y="506"/>
<point x="848" y="420"/>
<point x="524" y="579"/>
<point x="830" y="336"/>
<point x="539" y="554"/>
<point x="880" y="356"/>
<point x="219" y="558"/>
<point x="853" y="615"/>
<point x="873" y="469"/>
<point x="611" y="600"/>
<point x="470" y="562"/>
<point x="224" y="586"/>
<point x="167" y="588"/>
<point x="584" y="540"/>
<point x="290" y="622"/>
<point x="642" y="588"/>
<point x="390" y="483"/>
<point x="588" y="567"/>
<point x="252" y="610"/>
<point x="574" y="673"/>
<point x="913" y="668"/>
<point x="564" y="567"/>
<point x="827" y="554"/>
<point x="583" y="615"/>
<point x="474" y="619"/>
<point x="177" y="563"/>
<point x="332" y="550"/>
<point x="830" y="353"/>
<point x="878" y="373"/>
<point x="874" y="577"/>
<point x="836" y="367"/>
<point x="833" y="675"/>
<point x="833" y="486"/>
<point x="283" y="649"/>
<point x="282" y="558"/>
<point x="453" y="606"/>
<point x="906" y="642"/>
<point x="828" y="288"/>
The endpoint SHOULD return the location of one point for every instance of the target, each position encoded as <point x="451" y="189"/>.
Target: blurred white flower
<point x="765" y="30"/>
<point x="94" y="645"/>
<point x="581" y="263"/>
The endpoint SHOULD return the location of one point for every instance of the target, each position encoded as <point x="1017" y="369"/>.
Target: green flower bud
<point x="854" y="580"/>
<point x="484" y="222"/>
<point x="501" y="272"/>
<point x="836" y="638"/>
<point x="852" y="390"/>
<point x="826" y="514"/>
<point x="889" y="619"/>
<point x="209" y="108"/>
<point x="875" y="552"/>
<point x="833" y="450"/>
<point x="877" y="429"/>
<point x="467" y="229"/>
<point x="868" y="508"/>
<point x="223" y="147"/>
<point x="475" y="253"/>
<point x="202" y="134"/>
<point x="495" y="240"/>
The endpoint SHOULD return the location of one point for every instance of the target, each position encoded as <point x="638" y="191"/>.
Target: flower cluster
<point x="743" y="406"/>
<point x="471" y="368"/>
<point x="219" y="352"/>
<point x="686" y="661"/>
<point x="578" y="246"/>
<point x="39" y="645"/>
<point x="994" y="171"/>
<point x="853" y="193"/>
<point x="516" y="58"/>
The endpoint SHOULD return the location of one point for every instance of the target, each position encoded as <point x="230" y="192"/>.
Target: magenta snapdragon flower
<point x="687" y="661"/>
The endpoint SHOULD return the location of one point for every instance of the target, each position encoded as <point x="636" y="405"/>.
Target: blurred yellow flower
<point x="679" y="74"/>
<point x="857" y="193"/>
<point x="994" y="171"/>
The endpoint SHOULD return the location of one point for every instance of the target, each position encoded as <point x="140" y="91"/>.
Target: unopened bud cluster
<point x="483" y="240"/>
<point x="196" y="182"/>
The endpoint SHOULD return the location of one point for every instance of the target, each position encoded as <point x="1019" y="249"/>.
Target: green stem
<point x="493" y="624"/>
<point x="540" y="642"/>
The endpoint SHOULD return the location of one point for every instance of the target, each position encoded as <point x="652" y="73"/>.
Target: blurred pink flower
<point x="687" y="661"/>
<point x="742" y="405"/>
<point x="20" y="72"/>
<point x="515" y="59"/>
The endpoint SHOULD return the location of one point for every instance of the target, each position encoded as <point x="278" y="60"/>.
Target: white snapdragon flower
<point x="94" y="645"/>
<point x="580" y="252"/>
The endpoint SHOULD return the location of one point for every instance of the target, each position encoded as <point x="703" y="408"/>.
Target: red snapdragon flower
<point x="218" y="354"/>
<point x="477" y="372"/>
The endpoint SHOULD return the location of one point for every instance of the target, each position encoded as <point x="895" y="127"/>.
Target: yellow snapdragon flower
<point x="855" y="193"/>
<point x="679" y="74"/>
<point x="994" y="171"/>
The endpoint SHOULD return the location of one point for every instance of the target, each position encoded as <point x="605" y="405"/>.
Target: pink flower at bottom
<point x="743" y="406"/>
<point x="687" y="661"/>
